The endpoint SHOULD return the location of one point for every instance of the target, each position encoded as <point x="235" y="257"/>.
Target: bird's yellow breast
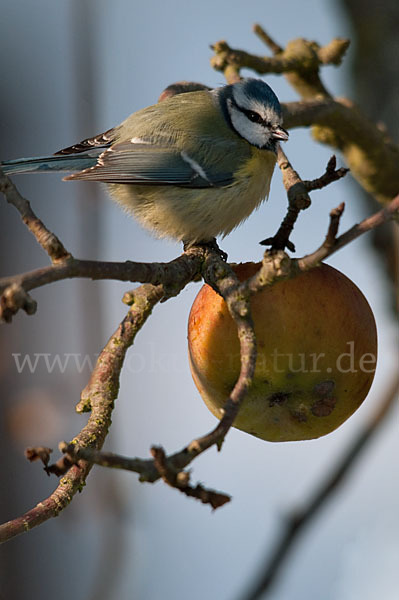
<point x="258" y="169"/>
<point x="196" y="214"/>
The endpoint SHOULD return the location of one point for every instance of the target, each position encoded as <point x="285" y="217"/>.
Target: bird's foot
<point x="278" y="242"/>
<point x="209" y="244"/>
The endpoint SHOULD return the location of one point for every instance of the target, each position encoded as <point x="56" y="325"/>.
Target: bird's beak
<point x="280" y="134"/>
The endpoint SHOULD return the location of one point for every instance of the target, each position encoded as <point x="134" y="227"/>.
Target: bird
<point x="190" y="168"/>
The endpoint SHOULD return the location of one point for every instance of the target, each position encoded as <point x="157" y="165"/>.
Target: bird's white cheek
<point x="254" y="133"/>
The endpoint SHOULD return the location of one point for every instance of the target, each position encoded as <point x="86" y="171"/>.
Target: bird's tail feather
<point x="42" y="164"/>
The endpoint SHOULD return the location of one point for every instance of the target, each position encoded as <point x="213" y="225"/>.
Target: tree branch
<point x="154" y="272"/>
<point x="220" y="275"/>
<point x="100" y="394"/>
<point x="184" y="268"/>
<point x="300" y="61"/>
<point x="299" y="56"/>
<point x="276" y="266"/>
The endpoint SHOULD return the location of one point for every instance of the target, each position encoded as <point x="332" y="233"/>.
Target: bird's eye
<point x="254" y="117"/>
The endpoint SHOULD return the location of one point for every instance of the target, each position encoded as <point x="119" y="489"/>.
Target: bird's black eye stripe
<point x="254" y="116"/>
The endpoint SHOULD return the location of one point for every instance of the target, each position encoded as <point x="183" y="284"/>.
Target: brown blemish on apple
<point x="324" y="388"/>
<point x="278" y="398"/>
<point x="325" y="403"/>
<point x="323" y="407"/>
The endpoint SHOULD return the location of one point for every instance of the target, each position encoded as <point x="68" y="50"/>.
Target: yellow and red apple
<point x="317" y="352"/>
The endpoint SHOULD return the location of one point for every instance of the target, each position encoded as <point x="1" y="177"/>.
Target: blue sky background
<point x="175" y="547"/>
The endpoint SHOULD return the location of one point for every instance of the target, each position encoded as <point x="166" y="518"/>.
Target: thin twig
<point x="298" y="197"/>
<point x="47" y="240"/>
<point x="331" y="174"/>
<point x="277" y="265"/>
<point x="180" y="481"/>
<point x="266" y="39"/>
<point x="329" y="247"/>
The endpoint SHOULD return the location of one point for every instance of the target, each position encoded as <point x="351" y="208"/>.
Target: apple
<point x="317" y="351"/>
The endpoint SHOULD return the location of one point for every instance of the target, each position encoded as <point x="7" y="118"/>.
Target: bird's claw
<point x="209" y="244"/>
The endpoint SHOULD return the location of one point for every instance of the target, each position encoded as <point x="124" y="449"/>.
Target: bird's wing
<point x="145" y="163"/>
<point x="99" y="141"/>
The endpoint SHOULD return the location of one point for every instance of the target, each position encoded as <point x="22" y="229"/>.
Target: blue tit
<point x="190" y="168"/>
